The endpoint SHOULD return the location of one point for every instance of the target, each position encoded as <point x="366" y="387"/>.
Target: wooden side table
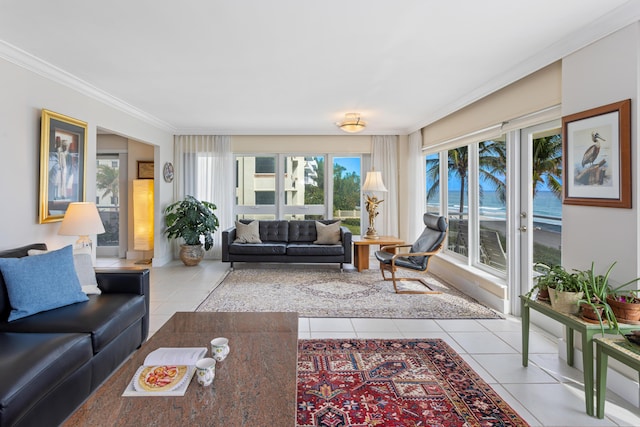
<point x="361" y="249"/>
<point x="622" y="351"/>
<point x="573" y="323"/>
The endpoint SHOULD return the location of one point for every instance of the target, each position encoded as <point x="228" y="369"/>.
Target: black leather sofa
<point x="287" y="241"/>
<point x="52" y="361"/>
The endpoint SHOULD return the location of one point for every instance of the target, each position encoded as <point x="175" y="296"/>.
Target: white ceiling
<point x="297" y="66"/>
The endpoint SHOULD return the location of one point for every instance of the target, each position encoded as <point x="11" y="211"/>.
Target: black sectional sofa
<point x="52" y="361"/>
<point x="287" y="241"/>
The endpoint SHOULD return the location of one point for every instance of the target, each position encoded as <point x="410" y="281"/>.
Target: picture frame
<point x="63" y="159"/>
<point x="145" y="169"/>
<point x="596" y="154"/>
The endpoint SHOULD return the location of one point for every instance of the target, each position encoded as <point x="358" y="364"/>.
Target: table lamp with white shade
<point x="373" y="183"/>
<point x="81" y="219"/>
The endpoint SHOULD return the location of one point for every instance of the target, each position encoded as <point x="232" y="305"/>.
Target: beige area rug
<point x="321" y="292"/>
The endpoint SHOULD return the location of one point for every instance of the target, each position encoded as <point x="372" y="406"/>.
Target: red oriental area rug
<point x="419" y="382"/>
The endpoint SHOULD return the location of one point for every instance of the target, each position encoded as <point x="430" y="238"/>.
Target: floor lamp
<point x="373" y="183"/>
<point x="143" y="217"/>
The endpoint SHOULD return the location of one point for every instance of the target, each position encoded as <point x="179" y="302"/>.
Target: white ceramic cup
<point x="219" y="348"/>
<point x="205" y="371"/>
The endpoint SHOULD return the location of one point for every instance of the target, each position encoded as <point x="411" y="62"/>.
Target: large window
<point x="457" y="199"/>
<point x="346" y="192"/>
<point x="432" y="167"/>
<point x="296" y="187"/>
<point x="108" y="198"/>
<point x="492" y="203"/>
<point x="482" y="196"/>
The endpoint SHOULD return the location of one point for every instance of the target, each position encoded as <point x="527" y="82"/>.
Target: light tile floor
<point x="547" y="393"/>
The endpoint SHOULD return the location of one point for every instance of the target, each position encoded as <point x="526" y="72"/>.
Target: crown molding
<point x="49" y="71"/>
<point x="288" y="132"/>
<point x="617" y="19"/>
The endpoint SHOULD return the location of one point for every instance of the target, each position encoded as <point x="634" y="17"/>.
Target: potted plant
<point x="192" y="220"/>
<point x="564" y="288"/>
<point x="594" y="305"/>
<point x="543" y="281"/>
<point x="625" y="304"/>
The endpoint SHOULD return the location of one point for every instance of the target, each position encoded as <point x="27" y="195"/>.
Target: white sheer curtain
<point x="204" y="170"/>
<point x="417" y="200"/>
<point x="384" y="158"/>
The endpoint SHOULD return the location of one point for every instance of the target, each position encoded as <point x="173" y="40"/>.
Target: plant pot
<point x="565" y="302"/>
<point x="191" y="255"/>
<point x="590" y="314"/>
<point x="626" y="312"/>
<point x="543" y="295"/>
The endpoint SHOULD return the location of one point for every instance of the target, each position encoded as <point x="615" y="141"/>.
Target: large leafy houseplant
<point x="191" y="220"/>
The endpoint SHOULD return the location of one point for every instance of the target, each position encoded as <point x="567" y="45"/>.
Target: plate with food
<point x="159" y="378"/>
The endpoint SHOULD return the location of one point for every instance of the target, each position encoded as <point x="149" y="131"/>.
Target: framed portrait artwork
<point x="597" y="156"/>
<point x="63" y="157"/>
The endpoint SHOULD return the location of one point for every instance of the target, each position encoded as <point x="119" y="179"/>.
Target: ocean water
<point x="547" y="208"/>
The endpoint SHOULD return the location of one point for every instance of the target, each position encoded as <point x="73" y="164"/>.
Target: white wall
<point x="603" y="73"/>
<point x="351" y="144"/>
<point x="24" y="94"/>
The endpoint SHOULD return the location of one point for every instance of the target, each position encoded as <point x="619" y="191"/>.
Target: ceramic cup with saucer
<point x="220" y="348"/>
<point x="205" y="371"/>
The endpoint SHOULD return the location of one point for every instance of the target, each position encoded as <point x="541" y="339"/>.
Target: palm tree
<point x="107" y="181"/>
<point x="492" y="157"/>
<point x="547" y="164"/>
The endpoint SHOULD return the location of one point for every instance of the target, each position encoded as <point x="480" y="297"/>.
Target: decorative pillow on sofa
<point x="328" y="234"/>
<point x="84" y="269"/>
<point x="248" y="233"/>
<point x="41" y="283"/>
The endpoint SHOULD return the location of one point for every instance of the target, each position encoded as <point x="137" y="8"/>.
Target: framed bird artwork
<point x="597" y="156"/>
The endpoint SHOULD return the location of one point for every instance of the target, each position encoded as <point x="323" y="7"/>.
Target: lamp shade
<point x="373" y="182"/>
<point x="143" y="214"/>
<point x="352" y="123"/>
<point x="81" y="219"/>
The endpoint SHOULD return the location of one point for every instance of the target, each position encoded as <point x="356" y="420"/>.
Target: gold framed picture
<point x="63" y="157"/>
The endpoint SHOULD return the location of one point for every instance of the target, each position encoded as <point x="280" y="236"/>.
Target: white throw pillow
<point x="328" y="234"/>
<point x="84" y="269"/>
<point x="248" y="233"/>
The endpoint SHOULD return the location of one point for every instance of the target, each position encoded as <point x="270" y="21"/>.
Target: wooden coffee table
<point x="361" y="249"/>
<point x="255" y="385"/>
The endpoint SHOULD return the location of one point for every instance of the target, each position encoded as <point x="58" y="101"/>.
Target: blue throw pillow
<point x="40" y="283"/>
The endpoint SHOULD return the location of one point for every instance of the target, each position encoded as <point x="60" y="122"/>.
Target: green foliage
<point x="346" y="189"/>
<point x="107" y="181"/>
<point x="596" y="288"/>
<point x="547" y="164"/>
<point x="352" y="224"/>
<point x="555" y="277"/>
<point x="191" y="219"/>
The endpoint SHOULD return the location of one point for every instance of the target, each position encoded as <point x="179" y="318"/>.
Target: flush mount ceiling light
<point x="352" y="123"/>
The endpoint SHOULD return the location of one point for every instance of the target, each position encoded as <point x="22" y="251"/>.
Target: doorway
<point x="111" y="191"/>
<point x="539" y="207"/>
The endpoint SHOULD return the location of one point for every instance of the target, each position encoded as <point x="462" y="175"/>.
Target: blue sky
<point x="352" y="164"/>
